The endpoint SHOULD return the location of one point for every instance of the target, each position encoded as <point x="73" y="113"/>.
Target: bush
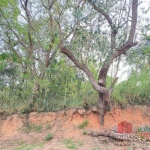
<point x="135" y="90"/>
<point x="49" y="137"/>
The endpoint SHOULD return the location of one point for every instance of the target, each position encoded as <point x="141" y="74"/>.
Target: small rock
<point x="94" y="109"/>
<point x="81" y="111"/>
<point x="88" y="112"/>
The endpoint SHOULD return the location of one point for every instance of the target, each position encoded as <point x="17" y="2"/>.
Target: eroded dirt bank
<point x="64" y="124"/>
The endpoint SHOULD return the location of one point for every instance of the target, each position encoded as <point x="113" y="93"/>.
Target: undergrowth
<point x="54" y="96"/>
<point x="32" y="128"/>
<point x="72" y="144"/>
<point x="49" y="137"/>
<point x="83" y="125"/>
<point x="29" y="146"/>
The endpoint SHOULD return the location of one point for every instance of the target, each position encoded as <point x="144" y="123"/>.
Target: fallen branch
<point x="116" y="136"/>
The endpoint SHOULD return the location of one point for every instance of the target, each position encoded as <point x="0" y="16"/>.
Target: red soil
<point x="62" y="124"/>
<point x="137" y="116"/>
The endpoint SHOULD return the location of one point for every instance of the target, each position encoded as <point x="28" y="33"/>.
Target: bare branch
<point x="107" y="17"/>
<point x="134" y="20"/>
<point x="50" y="5"/>
<point x="113" y="83"/>
<point x="122" y="49"/>
<point x="63" y="9"/>
<point x="116" y="136"/>
<point x="120" y="26"/>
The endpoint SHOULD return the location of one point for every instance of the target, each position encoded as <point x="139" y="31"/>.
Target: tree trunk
<point x="103" y="102"/>
<point x="101" y="109"/>
<point x="103" y="106"/>
<point x="34" y="94"/>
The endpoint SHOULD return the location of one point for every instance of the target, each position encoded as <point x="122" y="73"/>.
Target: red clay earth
<point x="64" y="126"/>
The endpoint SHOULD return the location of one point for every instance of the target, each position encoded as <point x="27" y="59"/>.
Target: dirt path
<point x="87" y="143"/>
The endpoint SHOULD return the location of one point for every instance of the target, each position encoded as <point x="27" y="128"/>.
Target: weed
<point x="72" y="144"/>
<point x="32" y="128"/>
<point x="79" y="143"/>
<point x="84" y="132"/>
<point x="21" y="147"/>
<point x="47" y="126"/>
<point x="83" y="125"/>
<point x="96" y="149"/>
<point x="29" y="147"/>
<point x="36" y="128"/>
<point x="49" y="137"/>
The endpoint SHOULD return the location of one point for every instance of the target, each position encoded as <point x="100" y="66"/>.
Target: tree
<point x="117" y="14"/>
<point x="34" y="32"/>
<point x="92" y="34"/>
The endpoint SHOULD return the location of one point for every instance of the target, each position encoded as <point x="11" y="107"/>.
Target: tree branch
<point x="84" y="68"/>
<point x="113" y="83"/>
<point x="11" y="46"/>
<point x="116" y="136"/>
<point x="134" y="20"/>
<point x="122" y="49"/>
<point x="107" y="17"/>
<point x="50" y="5"/>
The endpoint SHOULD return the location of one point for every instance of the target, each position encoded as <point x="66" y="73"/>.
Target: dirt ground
<point x="68" y="129"/>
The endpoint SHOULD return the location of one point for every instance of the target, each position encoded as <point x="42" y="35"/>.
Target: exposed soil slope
<point x="18" y="130"/>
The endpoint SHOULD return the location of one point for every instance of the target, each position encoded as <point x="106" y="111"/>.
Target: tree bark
<point x="103" y="106"/>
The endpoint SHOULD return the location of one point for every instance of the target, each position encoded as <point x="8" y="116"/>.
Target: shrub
<point x="83" y="125"/>
<point x="49" y="137"/>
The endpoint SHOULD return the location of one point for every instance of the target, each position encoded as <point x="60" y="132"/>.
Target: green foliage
<point x="83" y="125"/>
<point x="5" y="3"/>
<point x="96" y="149"/>
<point x="29" y="146"/>
<point x="30" y="37"/>
<point x="4" y="56"/>
<point x="49" y="137"/>
<point x="135" y="90"/>
<point x="23" y="109"/>
<point x="84" y="132"/>
<point x="72" y="144"/>
<point x="32" y="128"/>
<point x="58" y="90"/>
